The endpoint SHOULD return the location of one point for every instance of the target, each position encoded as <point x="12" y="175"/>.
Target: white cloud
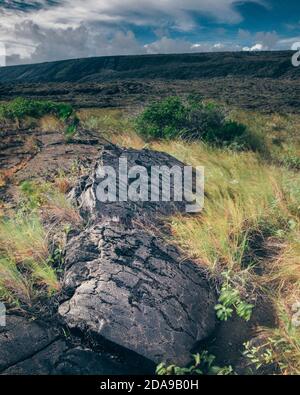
<point x="256" y="47"/>
<point x="76" y="28"/>
<point x="260" y="41"/>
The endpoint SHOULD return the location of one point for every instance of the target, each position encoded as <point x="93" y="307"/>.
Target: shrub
<point x="191" y="120"/>
<point x="20" y="107"/>
<point x="165" y="119"/>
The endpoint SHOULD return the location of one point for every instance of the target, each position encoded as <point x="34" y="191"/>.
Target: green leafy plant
<point x="230" y="300"/>
<point x="203" y="365"/>
<point x="20" y="107"/>
<point x="258" y="355"/>
<point x="164" y="119"/>
<point x="190" y="120"/>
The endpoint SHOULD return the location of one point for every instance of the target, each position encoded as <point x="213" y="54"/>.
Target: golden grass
<point x="23" y="239"/>
<point x="284" y="341"/>
<point x="244" y="196"/>
<point x="25" y="265"/>
<point x="249" y="194"/>
<point x="50" y="123"/>
<point x="24" y="257"/>
<point x="113" y="124"/>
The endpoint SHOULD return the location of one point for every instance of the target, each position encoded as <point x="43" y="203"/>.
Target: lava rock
<point x="129" y="287"/>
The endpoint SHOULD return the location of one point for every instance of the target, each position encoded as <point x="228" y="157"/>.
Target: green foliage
<point x="258" y="355"/>
<point x="203" y="365"/>
<point x="164" y="119"/>
<point x="229" y="300"/>
<point x="191" y="120"/>
<point x="70" y="132"/>
<point x="20" y="107"/>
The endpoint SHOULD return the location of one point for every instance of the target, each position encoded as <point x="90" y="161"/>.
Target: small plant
<point x="258" y="355"/>
<point x="230" y="300"/>
<point x="203" y="365"/>
<point x="70" y="132"/>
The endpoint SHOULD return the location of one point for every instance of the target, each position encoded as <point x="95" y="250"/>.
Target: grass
<point x="284" y="343"/>
<point x="112" y="124"/>
<point x="243" y="196"/>
<point x="26" y="262"/>
<point x="47" y="115"/>
<point x="51" y="201"/>
<point x="24" y="254"/>
<point x="252" y="202"/>
<point x="247" y="197"/>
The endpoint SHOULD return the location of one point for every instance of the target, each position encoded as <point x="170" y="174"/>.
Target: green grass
<point x="19" y="108"/>
<point x="40" y="113"/>
<point x="24" y="255"/>
<point x="26" y="261"/>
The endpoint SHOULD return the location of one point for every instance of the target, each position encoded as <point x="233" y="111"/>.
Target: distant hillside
<point x="173" y="67"/>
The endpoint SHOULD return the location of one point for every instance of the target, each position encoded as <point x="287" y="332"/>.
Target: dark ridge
<point x="167" y="67"/>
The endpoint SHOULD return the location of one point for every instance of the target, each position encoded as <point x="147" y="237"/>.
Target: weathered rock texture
<point x="129" y="298"/>
<point x="33" y="348"/>
<point x="125" y="283"/>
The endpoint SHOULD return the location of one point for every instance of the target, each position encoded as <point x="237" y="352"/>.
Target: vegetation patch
<point x="204" y="364"/>
<point x="190" y="120"/>
<point x="32" y="240"/>
<point x="20" y="108"/>
<point x="25" y="271"/>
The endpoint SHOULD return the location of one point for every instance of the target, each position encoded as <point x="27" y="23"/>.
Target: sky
<point x="47" y="30"/>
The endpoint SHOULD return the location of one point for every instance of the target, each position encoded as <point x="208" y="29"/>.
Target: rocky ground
<point x="129" y="299"/>
<point x="263" y="94"/>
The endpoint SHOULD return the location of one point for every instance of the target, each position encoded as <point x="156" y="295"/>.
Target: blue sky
<point x="44" y="30"/>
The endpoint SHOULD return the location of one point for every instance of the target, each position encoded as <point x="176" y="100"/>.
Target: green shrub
<point x="164" y="119"/>
<point x="205" y="121"/>
<point x="190" y="120"/>
<point x="20" y="108"/>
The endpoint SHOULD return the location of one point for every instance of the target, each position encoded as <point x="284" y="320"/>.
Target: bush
<point x="191" y="120"/>
<point x="19" y="108"/>
<point x="165" y="119"/>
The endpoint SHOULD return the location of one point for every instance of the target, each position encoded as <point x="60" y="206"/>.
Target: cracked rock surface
<point x="33" y="348"/>
<point x="126" y="284"/>
<point x="130" y="300"/>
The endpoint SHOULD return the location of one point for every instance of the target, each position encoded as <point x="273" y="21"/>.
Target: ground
<point x="246" y="239"/>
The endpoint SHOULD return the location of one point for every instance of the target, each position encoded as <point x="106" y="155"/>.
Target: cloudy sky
<point x="44" y="30"/>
